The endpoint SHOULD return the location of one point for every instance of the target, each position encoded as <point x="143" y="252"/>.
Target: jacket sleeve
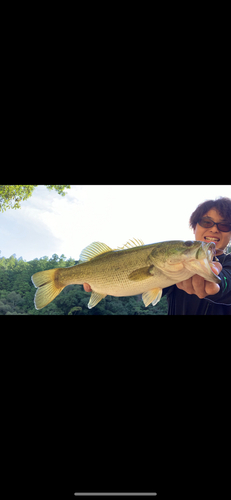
<point x="224" y="295"/>
<point x="167" y="290"/>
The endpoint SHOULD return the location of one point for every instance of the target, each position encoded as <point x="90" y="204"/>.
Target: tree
<point x="12" y="195"/>
<point x="14" y="298"/>
<point x="4" y="308"/>
<point x="74" y="310"/>
<point x="17" y="293"/>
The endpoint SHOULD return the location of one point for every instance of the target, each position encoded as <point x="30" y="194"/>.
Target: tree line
<point x="17" y="292"/>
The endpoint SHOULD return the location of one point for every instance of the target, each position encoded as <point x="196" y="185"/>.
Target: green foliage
<point x="17" y="293"/>
<point x="12" y="195"/>
<point x="75" y="310"/>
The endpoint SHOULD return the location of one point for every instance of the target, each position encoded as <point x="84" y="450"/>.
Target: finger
<point x="216" y="267"/>
<point x="186" y="285"/>
<point x="198" y="284"/>
<point x="87" y="287"/>
<point x="211" y="288"/>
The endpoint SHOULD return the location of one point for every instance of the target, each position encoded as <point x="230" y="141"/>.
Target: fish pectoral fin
<point x="141" y="274"/>
<point x="95" y="298"/>
<point x="152" y="296"/>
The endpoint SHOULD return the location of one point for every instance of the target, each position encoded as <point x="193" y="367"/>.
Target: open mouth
<point x="211" y="238"/>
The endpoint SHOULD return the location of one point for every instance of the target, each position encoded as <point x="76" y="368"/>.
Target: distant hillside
<point x="17" y="293"/>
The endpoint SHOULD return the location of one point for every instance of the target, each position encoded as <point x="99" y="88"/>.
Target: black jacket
<point x="180" y="302"/>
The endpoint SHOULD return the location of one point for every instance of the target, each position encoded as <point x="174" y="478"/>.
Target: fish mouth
<point x="202" y="263"/>
<point x="210" y="250"/>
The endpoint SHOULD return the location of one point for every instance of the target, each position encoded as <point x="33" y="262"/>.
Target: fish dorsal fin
<point x="93" y="250"/>
<point x="131" y="244"/>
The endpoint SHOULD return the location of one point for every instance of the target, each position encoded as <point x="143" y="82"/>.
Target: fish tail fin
<point x="48" y="287"/>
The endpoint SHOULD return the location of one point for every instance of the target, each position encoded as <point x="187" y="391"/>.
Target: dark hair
<point x="222" y="205"/>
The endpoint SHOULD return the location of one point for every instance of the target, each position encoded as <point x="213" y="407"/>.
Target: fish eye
<point x="188" y="243"/>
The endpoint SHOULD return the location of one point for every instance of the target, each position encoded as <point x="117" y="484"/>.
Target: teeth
<point x="211" y="239"/>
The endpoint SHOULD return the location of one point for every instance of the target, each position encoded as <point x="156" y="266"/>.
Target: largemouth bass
<point x="131" y="270"/>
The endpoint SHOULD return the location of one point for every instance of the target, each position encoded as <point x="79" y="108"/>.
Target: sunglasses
<point x="224" y="227"/>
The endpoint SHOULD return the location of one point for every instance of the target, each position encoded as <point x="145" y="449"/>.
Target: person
<point x="211" y="221"/>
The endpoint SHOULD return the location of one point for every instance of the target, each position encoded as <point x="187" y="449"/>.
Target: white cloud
<point x="49" y="223"/>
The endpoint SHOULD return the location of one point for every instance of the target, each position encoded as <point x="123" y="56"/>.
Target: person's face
<point x="220" y="239"/>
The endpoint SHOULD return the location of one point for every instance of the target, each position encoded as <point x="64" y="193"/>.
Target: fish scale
<point x="131" y="270"/>
<point x="119" y="265"/>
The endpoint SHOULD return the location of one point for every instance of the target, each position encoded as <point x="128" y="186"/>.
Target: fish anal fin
<point x="93" y="250"/>
<point x="95" y="299"/>
<point x="141" y="274"/>
<point x="152" y="296"/>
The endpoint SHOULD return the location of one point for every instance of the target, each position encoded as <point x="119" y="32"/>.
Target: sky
<point x="48" y="223"/>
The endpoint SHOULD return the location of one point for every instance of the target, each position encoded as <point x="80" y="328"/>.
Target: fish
<point x="133" y="269"/>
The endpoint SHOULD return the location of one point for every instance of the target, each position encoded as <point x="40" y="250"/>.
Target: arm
<point x="224" y="294"/>
<point x="210" y="291"/>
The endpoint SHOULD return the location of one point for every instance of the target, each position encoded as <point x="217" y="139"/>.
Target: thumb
<point x="87" y="287"/>
<point x="216" y="267"/>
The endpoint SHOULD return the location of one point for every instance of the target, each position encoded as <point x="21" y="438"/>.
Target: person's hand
<point x="199" y="286"/>
<point x="87" y="287"/>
